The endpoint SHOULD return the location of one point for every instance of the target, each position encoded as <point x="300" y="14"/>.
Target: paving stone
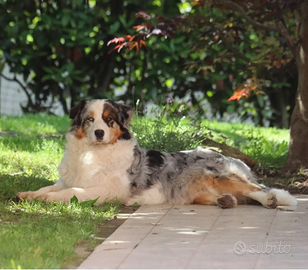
<point x="196" y="236"/>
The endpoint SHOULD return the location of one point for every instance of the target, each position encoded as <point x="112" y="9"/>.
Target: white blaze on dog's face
<point x="98" y="125"/>
<point x="101" y="121"/>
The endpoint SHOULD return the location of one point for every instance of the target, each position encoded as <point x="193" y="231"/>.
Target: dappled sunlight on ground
<point x="194" y="236"/>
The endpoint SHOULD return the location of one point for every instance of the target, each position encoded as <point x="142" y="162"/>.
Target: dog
<point x="103" y="161"/>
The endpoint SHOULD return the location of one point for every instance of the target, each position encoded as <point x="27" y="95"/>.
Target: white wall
<point x="12" y="95"/>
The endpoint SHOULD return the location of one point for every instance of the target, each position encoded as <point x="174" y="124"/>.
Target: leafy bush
<point x="61" y="50"/>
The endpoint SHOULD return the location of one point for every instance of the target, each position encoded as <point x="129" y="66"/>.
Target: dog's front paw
<point x="27" y="195"/>
<point x="53" y="197"/>
<point x="227" y="201"/>
<point x="48" y="197"/>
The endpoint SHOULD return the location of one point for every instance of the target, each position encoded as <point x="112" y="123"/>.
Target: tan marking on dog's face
<point x="109" y="116"/>
<point x="77" y="115"/>
<point x="115" y="133"/>
<point x="91" y="114"/>
<point x="82" y="131"/>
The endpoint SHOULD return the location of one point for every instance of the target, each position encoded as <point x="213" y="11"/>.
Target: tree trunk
<point x="298" y="149"/>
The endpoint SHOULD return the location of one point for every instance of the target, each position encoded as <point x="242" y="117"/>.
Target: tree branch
<point x="14" y="79"/>
<point x="232" y="49"/>
<point x="285" y="34"/>
<point x="236" y="7"/>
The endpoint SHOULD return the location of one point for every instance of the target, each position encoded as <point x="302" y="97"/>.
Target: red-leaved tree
<point x="282" y="27"/>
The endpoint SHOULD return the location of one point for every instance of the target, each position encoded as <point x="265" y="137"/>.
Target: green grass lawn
<point x="41" y="235"/>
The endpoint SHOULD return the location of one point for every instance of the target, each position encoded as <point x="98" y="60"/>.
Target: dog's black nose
<point x="99" y="133"/>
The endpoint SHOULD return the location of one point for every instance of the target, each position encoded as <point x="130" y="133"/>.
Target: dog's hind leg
<point x="202" y="191"/>
<point x="267" y="199"/>
<point x="223" y="201"/>
<point x="240" y="188"/>
<point x="232" y="184"/>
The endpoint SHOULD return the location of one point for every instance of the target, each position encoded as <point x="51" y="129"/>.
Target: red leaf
<point x="130" y="38"/>
<point x="116" y="40"/>
<point x="142" y="42"/>
<point x="119" y="47"/>
<point x="139" y="27"/>
<point x="143" y="14"/>
<point x="239" y="94"/>
<point x="132" y="45"/>
<point x="128" y="41"/>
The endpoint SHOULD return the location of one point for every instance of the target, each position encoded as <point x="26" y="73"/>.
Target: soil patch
<point x="294" y="183"/>
<point x="105" y="229"/>
<point x="295" y="188"/>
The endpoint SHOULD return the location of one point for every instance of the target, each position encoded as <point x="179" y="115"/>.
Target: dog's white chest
<point x="87" y="166"/>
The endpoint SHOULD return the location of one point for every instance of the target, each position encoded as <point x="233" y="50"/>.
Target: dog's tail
<point x="284" y="198"/>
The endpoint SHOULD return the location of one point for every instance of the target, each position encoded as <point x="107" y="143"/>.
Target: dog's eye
<point x="109" y="119"/>
<point x="91" y="119"/>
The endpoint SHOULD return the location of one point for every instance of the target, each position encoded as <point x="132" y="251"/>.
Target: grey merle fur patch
<point x="174" y="172"/>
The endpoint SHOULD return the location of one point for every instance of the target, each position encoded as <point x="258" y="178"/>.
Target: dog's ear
<point x="75" y="113"/>
<point x="126" y="111"/>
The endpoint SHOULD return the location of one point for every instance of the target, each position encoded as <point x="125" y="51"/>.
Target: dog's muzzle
<point x="99" y="133"/>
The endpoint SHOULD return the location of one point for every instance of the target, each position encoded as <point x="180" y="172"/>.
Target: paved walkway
<point x="195" y="236"/>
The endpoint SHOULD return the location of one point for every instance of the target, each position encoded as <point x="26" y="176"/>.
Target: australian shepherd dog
<point x="103" y="160"/>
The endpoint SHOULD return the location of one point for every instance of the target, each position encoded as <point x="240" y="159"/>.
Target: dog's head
<point x="101" y="121"/>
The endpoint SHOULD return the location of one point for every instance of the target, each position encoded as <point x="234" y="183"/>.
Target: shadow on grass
<point x="238" y="139"/>
<point x="11" y="184"/>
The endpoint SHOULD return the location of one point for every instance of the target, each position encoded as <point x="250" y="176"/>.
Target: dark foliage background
<point x="60" y="47"/>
